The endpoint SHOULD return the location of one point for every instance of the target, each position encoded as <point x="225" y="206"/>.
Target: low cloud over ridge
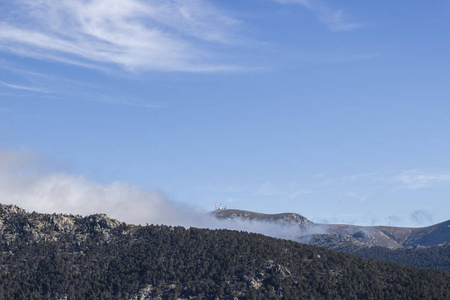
<point x="24" y="183"/>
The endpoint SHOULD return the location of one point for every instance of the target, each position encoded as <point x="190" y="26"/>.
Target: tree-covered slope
<point x="98" y="258"/>
<point x="436" y="257"/>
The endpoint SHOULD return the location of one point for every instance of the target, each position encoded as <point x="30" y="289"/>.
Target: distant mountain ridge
<point x="286" y="218"/>
<point x="349" y="237"/>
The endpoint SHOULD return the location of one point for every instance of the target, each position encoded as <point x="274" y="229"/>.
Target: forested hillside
<point x="98" y="258"/>
<point x="437" y="257"/>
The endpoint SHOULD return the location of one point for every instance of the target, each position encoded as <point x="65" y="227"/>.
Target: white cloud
<point x="25" y="183"/>
<point x="335" y="20"/>
<point x="133" y="34"/>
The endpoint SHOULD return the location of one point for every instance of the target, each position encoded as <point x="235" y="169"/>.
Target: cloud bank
<point x="164" y="35"/>
<point x="25" y="183"/>
<point x="34" y="184"/>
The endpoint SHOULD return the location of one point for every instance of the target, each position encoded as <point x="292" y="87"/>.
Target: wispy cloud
<point x="421" y="217"/>
<point x="408" y="179"/>
<point x="21" y="87"/>
<point x="59" y="87"/>
<point x="393" y="220"/>
<point x="135" y="35"/>
<point x="334" y="19"/>
<point x="415" y="179"/>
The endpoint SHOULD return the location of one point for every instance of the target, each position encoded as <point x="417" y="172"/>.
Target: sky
<point x="336" y="110"/>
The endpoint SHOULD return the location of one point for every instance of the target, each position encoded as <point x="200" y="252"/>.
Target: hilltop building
<point x="220" y="207"/>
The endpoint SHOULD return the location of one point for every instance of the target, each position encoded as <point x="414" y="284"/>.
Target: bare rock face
<point x="256" y="281"/>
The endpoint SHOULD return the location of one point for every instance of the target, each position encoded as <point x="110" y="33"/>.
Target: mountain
<point x="424" y="247"/>
<point x="50" y="256"/>
<point x="341" y="236"/>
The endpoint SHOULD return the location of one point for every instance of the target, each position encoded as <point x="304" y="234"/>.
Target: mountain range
<point x="342" y="237"/>
<point x="56" y="256"/>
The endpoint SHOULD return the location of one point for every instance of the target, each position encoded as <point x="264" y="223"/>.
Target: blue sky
<point x="335" y="110"/>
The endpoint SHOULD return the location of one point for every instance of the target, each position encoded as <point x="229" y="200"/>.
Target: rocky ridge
<point x="15" y="222"/>
<point x="283" y="218"/>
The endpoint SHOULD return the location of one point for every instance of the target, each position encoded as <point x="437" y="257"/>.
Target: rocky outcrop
<point x="10" y="209"/>
<point x="17" y="223"/>
<point x="256" y="281"/>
